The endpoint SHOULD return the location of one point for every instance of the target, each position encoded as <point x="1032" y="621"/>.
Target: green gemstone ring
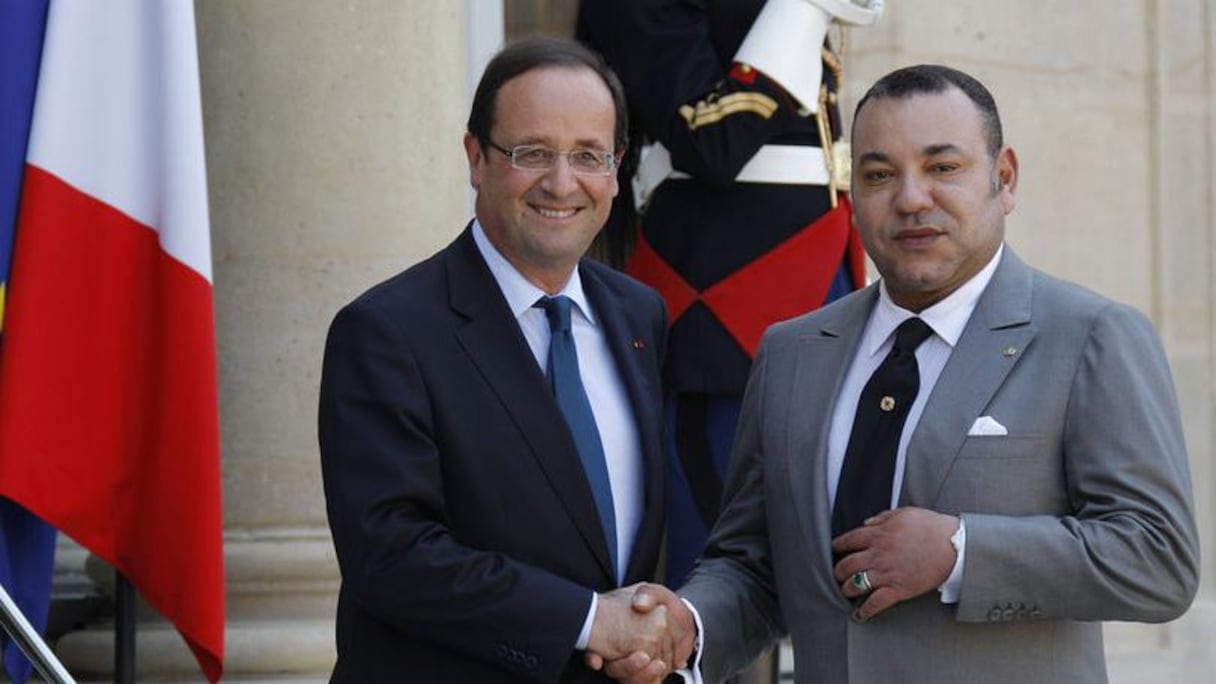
<point x="862" y="581"/>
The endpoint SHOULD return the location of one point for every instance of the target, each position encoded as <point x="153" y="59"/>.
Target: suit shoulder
<point x="1078" y="319"/>
<point x="411" y="295"/>
<point x="611" y="276"/>
<point x="1056" y="299"/>
<point x="626" y="285"/>
<point x="414" y="283"/>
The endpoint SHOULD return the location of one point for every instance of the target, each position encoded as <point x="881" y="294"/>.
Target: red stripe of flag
<point x="110" y="422"/>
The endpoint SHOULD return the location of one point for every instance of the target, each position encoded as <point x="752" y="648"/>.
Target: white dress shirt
<point x="947" y="318"/>
<point x="602" y="382"/>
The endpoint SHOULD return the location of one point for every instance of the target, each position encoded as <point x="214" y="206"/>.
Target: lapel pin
<point x="1009" y="352"/>
<point x="639" y="344"/>
<point x="887" y="403"/>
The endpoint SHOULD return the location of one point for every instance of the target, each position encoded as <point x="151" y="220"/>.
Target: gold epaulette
<point x="715" y="109"/>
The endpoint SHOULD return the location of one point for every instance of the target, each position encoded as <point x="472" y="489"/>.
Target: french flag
<point x="109" y="422"/>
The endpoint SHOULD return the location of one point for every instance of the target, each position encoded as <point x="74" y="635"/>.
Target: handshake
<point x="640" y="634"/>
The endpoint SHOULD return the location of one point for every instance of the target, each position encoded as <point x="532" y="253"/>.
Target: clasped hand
<point x="904" y="552"/>
<point x="640" y="634"/>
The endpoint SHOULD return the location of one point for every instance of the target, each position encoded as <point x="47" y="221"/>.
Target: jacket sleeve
<point x="1128" y="549"/>
<point x="732" y="586"/>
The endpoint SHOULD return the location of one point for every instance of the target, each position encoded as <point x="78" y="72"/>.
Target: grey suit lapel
<point x="991" y="344"/>
<point x="823" y="356"/>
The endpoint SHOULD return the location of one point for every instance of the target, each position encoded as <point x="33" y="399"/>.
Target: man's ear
<point x="476" y="156"/>
<point x="1007" y="178"/>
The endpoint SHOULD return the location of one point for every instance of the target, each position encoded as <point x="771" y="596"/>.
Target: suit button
<point x="1007" y="614"/>
<point x="530" y="662"/>
<point x="1035" y="613"/>
<point x="994" y="615"/>
<point x="504" y="652"/>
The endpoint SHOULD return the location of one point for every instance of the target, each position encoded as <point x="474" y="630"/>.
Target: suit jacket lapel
<point x="628" y="335"/>
<point x="991" y="344"/>
<point x="823" y="356"/>
<point x="495" y="344"/>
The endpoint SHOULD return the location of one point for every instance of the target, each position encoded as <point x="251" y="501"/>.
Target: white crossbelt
<point x="779" y="164"/>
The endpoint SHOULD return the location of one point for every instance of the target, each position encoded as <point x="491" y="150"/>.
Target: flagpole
<point x="124" y="630"/>
<point x="25" y="636"/>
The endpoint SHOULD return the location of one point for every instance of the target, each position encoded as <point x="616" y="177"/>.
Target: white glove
<point x="857" y="12"/>
<point x="786" y="40"/>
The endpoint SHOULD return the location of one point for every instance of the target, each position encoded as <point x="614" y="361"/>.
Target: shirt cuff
<point x="953" y="585"/>
<point x="584" y="637"/>
<point x="692" y="674"/>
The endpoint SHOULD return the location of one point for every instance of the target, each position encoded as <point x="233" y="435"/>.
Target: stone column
<point x="334" y="159"/>
<point x="1182" y="87"/>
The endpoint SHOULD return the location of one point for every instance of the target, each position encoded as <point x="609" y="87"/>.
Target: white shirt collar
<point x="947" y="317"/>
<point x="518" y="291"/>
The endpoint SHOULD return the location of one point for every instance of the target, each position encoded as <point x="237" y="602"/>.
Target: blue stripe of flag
<point x="22" y="24"/>
<point x="27" y="545"/>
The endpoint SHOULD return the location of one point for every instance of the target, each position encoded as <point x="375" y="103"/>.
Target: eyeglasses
<point x="540" y="158"/>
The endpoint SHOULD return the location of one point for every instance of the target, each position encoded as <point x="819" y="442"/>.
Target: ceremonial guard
<point x="741" y="220"/>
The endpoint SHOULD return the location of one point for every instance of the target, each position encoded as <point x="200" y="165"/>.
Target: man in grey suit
<point x="1038" y="486"/>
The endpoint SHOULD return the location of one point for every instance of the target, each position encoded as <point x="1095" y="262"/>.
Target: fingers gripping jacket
<point x="787" y="36"/>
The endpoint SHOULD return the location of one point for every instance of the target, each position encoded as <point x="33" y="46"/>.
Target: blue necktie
<point x="567" y="384"/>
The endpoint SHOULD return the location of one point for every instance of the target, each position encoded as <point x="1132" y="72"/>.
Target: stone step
<point x="268" y="650"/>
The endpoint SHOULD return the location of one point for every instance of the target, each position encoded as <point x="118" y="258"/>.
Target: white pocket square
<point x="986" y="426"/>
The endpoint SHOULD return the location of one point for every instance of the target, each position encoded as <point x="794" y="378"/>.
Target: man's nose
<point x="914" y="194"/>
<point x="560" y="178"/>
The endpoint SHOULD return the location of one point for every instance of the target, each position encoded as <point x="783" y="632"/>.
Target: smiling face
<point x="544" y="221"/>
<point x="928" y="199"/>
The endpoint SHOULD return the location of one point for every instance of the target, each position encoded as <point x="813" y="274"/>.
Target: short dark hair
<point x="535" y="53"/>
<point x="935" y="79"/>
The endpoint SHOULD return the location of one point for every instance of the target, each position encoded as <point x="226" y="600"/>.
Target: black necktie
<point x="567" y="384"/>
<point x="868" y="472"/>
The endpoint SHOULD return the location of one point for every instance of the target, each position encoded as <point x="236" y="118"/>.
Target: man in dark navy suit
<point x="490" y="418"/>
